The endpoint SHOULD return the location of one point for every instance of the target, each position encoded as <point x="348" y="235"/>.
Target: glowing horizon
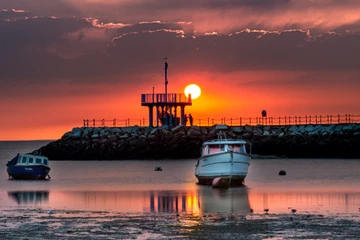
<point x="297" y="58"/>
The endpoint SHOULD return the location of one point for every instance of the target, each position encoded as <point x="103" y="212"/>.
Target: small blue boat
<point x="28" y="166"/>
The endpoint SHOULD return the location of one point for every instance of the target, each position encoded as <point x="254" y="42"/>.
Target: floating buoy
<point x="158" y="168"/>
<point x="282" y="173"/>
<point x="220" y="182"/>
<point x="293" y="210"/>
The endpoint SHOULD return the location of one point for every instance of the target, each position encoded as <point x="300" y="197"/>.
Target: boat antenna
<point x="221" y="134"/>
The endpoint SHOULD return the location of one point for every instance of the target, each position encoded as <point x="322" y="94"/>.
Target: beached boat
<point x="28" y="166"/>
<point x="223" y="159"/>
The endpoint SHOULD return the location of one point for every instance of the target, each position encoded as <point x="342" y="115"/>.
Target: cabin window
<point x="237" y="148"/>
<point x="45" y="162"/>
<point x="243" y="149"/>
<point x="216" y="148"/>
<point x="38" y="161"/>
<point x="31" y="160"/>
<point x="204" y="151"/>
<point x="24" y="159"/>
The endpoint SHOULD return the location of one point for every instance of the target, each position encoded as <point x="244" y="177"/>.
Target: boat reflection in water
<point x="29" y="197"/>
<point x="196" y="200"/>
<point x="225" y="200"/>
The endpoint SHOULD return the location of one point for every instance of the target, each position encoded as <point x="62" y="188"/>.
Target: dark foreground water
<point x="316" y="188"/>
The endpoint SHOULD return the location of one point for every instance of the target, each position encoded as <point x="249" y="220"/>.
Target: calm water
<point x="326" y="186"/>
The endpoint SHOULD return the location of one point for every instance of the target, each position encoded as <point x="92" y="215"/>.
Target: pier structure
<point x="166" y="105"/>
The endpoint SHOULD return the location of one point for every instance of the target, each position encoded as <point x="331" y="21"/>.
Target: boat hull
<point x="28" y="172"/>
<point x="229" y="166"/>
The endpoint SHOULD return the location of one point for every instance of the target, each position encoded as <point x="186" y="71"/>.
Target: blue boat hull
<point x="28" y="172"/>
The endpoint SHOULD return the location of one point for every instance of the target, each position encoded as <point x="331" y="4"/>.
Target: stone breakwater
<point x="304" y="141"/>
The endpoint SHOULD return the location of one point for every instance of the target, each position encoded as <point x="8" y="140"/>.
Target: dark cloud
<point x="61" y="8"/>
<point x="225" y="15"/>
<point x="45" y="47"/>
<point x="315" y="80"/>
<point x="36" y="48"/>
<point x="13" y="14"/>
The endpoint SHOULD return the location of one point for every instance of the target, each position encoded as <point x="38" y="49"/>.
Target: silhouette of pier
<point x="166" y="105"/>
<point x="166" y="108"/>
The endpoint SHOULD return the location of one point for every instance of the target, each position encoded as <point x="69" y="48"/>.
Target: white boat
<point x="224" y="159"/>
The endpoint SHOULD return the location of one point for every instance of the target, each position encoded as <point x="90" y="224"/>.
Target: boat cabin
<point x="223" y="146"/>
<point x="29" y="159"/>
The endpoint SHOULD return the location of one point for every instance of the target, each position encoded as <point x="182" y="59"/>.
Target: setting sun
<point x="192" y="89"/>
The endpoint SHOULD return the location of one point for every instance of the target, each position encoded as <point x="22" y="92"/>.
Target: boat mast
<point x="166" y="80"/>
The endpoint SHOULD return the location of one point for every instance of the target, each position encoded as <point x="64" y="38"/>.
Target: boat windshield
<point x="237" y="148"/>
<point x="216" y="148"/>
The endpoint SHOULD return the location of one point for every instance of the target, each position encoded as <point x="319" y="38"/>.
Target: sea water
<point x="320" y="186"/>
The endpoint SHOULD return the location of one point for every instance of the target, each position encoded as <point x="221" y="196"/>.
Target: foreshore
<point x="36" y="223"/>
<point x="181" y="142"/>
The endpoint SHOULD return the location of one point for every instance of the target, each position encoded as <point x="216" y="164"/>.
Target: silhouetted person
<point x="185" y="119"/>
<point x="191" y="119"/>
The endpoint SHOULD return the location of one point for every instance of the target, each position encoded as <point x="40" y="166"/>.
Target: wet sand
<point x="64" y="224"/>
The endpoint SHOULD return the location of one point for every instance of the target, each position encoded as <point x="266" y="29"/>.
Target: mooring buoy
<point x="282" y="173"/>
<point x="158" y="168"/>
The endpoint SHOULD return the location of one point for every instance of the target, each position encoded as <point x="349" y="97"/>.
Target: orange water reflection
<point x="202" y="200"/>
<point x="305" y="202"/>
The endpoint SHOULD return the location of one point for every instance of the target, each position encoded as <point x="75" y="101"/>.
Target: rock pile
<point x="307" y="141"/>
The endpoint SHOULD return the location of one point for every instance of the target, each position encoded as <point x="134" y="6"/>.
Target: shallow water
<point x="319" y="186"/>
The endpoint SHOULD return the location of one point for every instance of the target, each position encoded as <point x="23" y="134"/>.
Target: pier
<point x="166" y="105"/>
<point x="182" y="142"/>
<point x="232" y="121"/>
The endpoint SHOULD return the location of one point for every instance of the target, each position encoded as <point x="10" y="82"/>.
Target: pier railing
<point x="165" y="98"/>
<point x="239" y="121"/>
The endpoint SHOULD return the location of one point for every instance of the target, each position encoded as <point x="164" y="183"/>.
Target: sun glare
<point x="194" y="90"/>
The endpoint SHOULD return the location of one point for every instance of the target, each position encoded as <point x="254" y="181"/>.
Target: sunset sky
<point x="62" y="61"/>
